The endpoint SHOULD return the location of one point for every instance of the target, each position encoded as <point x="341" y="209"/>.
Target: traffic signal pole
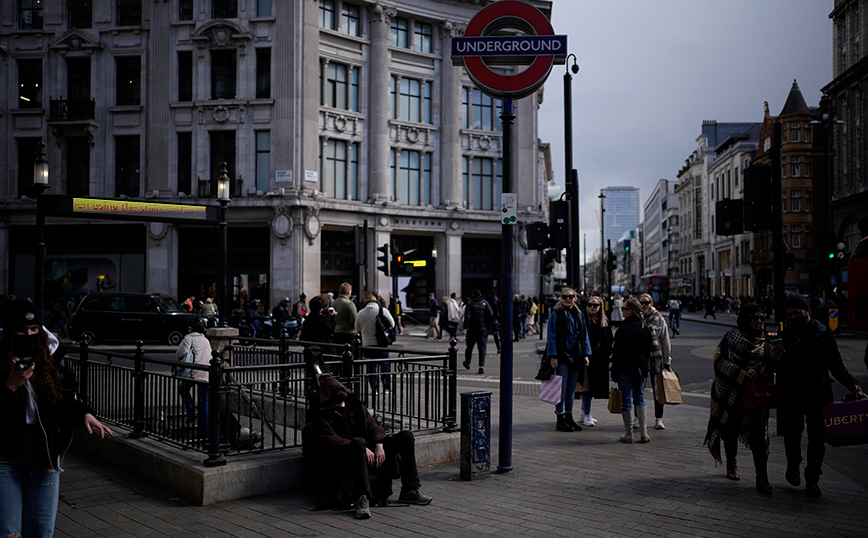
<point x="504" y="463"/>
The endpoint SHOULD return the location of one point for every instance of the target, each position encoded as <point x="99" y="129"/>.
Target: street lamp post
<point x="40" y="184"/>
<point x="573" y="262"/>
<point x="603" y="257"/>
<point x="223" y="183"/>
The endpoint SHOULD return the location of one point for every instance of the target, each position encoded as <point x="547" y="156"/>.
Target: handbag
<point x="762" y="396"/>
<point x="383" y="330"/>
<point x="550" y="389"/>
<point x="668" y="387"/>
<point x="615" y="401"/>
<point x="189" y="358"/>
<point x="545" y="369"/>
<point x="846" y="423"/>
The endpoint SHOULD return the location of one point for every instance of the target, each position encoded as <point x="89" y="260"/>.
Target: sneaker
<point x="481" y="371"/>
<point x="658" y="424"/>
<point x="363" y="511"/>
<point x="466" y="365"/>
<point x="589" y="421"/>
<point x="581" y="415"/>
<point x="415" y="497"/>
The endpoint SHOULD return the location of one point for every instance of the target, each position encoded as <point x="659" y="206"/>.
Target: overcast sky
<point x="652" y="71"/>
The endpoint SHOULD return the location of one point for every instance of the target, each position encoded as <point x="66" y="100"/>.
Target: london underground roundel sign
<point x="539" y="48"/>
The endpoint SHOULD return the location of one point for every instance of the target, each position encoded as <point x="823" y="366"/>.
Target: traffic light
<point x="758" y="197"/>
<point x="549" y="257"/>
<point x="612" y="262"/>
<point x="384" y="259"/>
<point x="353" y="249"/>
<point x="398" y="266"/>
<point x="626" y="247"/>
<point x="730" y="218"/>
<point x="537" y="236"/>
<point x="558" y="218"/>
<point x="791" y="260"/>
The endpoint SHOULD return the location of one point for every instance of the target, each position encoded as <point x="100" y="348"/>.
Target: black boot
<point x="562" y="425"/>
<point x="760" y="463"/>
<point x="730" y="446"/>
<point x="568" y="418"/>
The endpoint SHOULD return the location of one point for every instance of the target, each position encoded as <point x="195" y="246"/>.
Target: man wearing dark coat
<point x="351" y="447"/>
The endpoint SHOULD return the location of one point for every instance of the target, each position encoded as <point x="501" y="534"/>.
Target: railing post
<point x="283" y="358"/>
<point x="212" y="407"/>
<point x="83" y="381"/>
<point x="450" y="385"/>
<point x="139" y="392"/>
<point x="348" y="367"/>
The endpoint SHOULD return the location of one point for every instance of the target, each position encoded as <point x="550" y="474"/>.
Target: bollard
<point x="475" y="435"/>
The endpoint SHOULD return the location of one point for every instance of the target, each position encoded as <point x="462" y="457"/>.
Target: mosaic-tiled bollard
<point x="475" y="435"/>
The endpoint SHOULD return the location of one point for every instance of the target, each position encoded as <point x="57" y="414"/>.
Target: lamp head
<point x="223" y="183"/>
<point x="40" y="165"/>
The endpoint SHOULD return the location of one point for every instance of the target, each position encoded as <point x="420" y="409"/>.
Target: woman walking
<point x="595" y="382"/>
<point x="742" y="358"/>
<point x="568" y="348"/>
<point x="631" y="353"/>
<point x="660" y="349"/>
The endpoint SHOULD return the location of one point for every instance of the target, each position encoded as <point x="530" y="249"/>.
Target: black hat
<point x="303" y="296"/>
<point x="796" y="301"/>
<point x="20" y="312"/>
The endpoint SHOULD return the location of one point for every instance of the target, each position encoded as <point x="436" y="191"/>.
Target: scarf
<point x="732" y="359"/>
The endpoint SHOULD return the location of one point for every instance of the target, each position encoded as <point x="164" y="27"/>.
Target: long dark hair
<point x="46" y="377"/>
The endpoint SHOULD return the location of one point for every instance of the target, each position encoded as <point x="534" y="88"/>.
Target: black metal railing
<point x="256" y="398"/>
<point x="72" y="109"/>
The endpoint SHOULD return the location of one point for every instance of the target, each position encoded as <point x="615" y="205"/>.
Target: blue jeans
<point x="586" y="403"/>
<point x="29" y="490"/>
<point x="375" y="371"/>
<point x="633" y="388"/>
<point x="570" y="373"/>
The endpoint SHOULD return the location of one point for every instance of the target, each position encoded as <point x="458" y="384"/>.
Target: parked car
<point x="127" y="317"/>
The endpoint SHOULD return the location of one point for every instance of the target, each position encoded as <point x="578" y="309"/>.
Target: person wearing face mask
<point x="811" y="354"/>
<point x="743" y="357"/>
<point x="39" y="408"/>
<point x="355" y="459"/>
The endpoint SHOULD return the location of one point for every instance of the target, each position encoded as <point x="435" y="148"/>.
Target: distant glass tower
<point x="621" y="212"/>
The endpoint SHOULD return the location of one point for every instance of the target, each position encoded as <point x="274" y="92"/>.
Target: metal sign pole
<point x="504" y="461"/>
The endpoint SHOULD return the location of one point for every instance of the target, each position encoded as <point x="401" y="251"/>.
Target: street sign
<point x="833" y="319"/>
<point x="508" y="213"/>
<point x="541" y="48"/>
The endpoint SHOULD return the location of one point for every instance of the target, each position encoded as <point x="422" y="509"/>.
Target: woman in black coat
<point x="316" y="328"/>
<point x="596" y="379"/>
<point x="631" y="352"/>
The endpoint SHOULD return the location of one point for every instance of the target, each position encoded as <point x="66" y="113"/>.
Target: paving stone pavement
<point x="562" y="484"/>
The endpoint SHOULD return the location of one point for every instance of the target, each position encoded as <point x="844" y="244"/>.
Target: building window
<point x="400" y="32"/>
<point x="185" y="76"/>
<point x="263" y="73"/>
<point x="185" y="10"/>
<point x="735" y="176"/>
<point x="127" y="153"/>
<point x="327" y="14"/>
<point x="796" y="236"/>
<point x="795" y="201"/>
<point x="483" y="182"/>
<point x="807" y="201"/>
<point x="480" y="111"/>
<point x="339" y="168"/>
<point x="795" y="167"/>
<point x="411" y="177"/>
<point x="29" y="83"/>
<point x="794" y="131"/>
<point x="129" y="80"/>
<point x="350" y="20"/>
<point x="78" y="78"/>
<point x="784" y="201"/>
<point x="808" y="231"/>
<point x="697" y="213"/>
<point x="80" y="13"/>
<point x="223" y="74"/>
<point x="807" y="167"/>
<point x="26" y="156"/>
<point x="422" y="33"/>
<point x="129" y="12"/>
<point x="185" y="163"/>
<point x="222" y="146"/>
<point x="224" y="9"/>
<point x="263" y="8"/>
<point x="341" y="87"/>
<point x="263" y="161"/>
<point x="30" y="14"/>
<point x="784" y="167"/>
<point x="411" y="100"/>
<point x="77" y="156"/>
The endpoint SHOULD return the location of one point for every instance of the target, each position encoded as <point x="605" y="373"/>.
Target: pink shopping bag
<point x="550" y="390"/>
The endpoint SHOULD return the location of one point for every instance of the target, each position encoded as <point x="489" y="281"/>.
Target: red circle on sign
<point x="528" y="80"/>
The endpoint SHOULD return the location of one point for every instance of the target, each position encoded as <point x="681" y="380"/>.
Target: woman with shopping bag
<point x="742" y="359"/>
<point x="568" y="349"/>
<point x="631" y="352"/>
<point x="595" y="381"/>
<point x="660" y="351"/>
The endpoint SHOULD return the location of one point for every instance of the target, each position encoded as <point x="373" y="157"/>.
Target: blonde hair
<point x="560" y="305"/>
<point x="649" y="298"/>
<point x="603" y="320"/>
<point x="633" y="305"/>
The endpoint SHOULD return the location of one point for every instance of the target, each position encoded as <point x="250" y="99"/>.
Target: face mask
<point x="25" y="345"/>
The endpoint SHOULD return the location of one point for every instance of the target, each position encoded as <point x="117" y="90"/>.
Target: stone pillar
<point x="451" y="187"/>
<point x="452" y="256"/>
<point x="379" y="110"/>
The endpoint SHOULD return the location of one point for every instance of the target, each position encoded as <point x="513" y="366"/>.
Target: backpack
<point x="189" y="358"/>
<point x="383" y="330"/>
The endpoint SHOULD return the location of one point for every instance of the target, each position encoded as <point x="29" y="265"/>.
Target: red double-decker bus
<point x="857" y="287"/>
<point x="657" y="286"/>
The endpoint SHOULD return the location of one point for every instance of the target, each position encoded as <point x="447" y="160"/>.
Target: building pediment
<point x="220" y="34"/>
<point x="75" y="40"/>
